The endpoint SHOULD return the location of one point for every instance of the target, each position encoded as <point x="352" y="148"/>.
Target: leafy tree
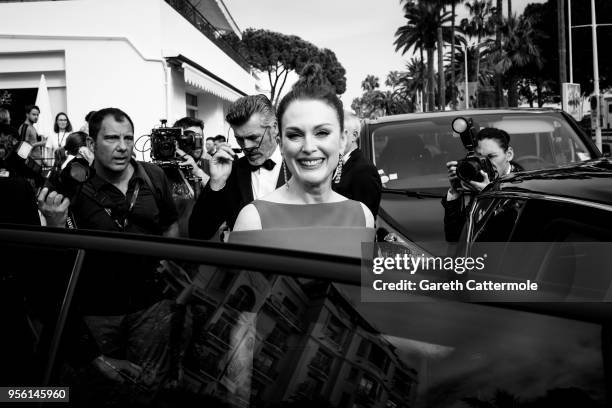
<point x="276" y="55"/>
<point x="375" y="102"/>
<point x="421" y="31"/>
<point x="519" y="50"/>
<point x="479" y="25"/>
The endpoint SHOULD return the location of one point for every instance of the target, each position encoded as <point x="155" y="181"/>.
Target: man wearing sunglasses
<point x="235" y="182"/>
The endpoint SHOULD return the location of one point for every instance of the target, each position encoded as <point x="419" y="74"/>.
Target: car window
<point x="495" y="222"/>
<point x="33" y="284"/>
<point x="412" y="154"/>
<point x="216" y="335"/>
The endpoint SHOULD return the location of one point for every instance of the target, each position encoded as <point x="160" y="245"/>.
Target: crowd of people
<point x="300" y="177"/>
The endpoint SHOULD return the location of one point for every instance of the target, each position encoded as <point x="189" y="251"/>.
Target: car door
<point x="256" y="327"/>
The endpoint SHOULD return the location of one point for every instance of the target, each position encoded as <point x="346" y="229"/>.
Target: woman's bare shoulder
<point x="248" y="219"/>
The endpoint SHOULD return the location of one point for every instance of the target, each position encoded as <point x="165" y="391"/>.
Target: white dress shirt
<point x="347" y="156"/>
<point x="264" y="181"/>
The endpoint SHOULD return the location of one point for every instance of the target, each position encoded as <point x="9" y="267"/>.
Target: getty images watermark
<point x="459" y="265"/>
<point x="488" y="272"/>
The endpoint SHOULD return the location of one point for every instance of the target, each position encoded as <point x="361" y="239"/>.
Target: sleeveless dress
<point x="336" y="228"/>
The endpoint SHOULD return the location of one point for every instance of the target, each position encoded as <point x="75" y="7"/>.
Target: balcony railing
<point x="294" y="320"/>
<point x="268" y="372"/>
<point x="191" y="14"/>
<point x="277" y="342"/>
<point x="321" y="366"/>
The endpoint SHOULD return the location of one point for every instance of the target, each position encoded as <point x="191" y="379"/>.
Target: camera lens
<point x="469" y="170"/>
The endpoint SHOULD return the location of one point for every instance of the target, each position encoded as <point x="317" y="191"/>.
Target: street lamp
<point x="593" y="25"/>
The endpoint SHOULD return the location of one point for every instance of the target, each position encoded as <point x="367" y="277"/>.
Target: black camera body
<point x="468" y="169"/>
<point x="165" y="139"/>
<point x="67" y="180"/>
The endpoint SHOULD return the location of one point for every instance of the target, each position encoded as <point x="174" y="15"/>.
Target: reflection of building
<point x="153" y="58"/>
<point x="309" y="343"/>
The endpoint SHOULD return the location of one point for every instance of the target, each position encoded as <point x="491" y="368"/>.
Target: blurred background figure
<point x="219" y="140"/>
<point x="210" y="147"/>
<point x="85" y="127"/>
<point x="61" y="129"/>
<point x="358" y="179"/>
<point x="28" y="133"/>
<point x="5" y="117"/>
<point x="75" y="146"/>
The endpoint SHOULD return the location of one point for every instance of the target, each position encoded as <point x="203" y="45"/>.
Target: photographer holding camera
<point x="193" y="158"/>
<point x="119" y="296"/>
<point x="489" y="157"/>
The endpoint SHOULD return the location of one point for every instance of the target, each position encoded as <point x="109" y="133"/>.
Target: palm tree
<point x="441" y="71"/>
<point x="370" y="83"/>
<point x="479" y="25"/>
<point x="453" y="28"/>
<point x="423" y="19"/>
<point x="486" y="69"/>
<point x="518" y="51"/>
<point x="499" y="96"/>
<point x="414" y="80"/>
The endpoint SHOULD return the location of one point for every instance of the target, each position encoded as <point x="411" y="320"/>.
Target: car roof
<point x="589" y="181"/>
<point x="468" y="112"/>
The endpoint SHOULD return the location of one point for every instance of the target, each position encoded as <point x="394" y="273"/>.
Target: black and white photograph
<point x="330" y="204"/>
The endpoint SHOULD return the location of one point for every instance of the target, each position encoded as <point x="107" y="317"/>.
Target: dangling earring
<point x="285" y="174"/>
<point x="338" y="171"/>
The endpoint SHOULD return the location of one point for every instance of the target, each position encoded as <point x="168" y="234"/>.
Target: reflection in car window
<point x="500" y="222"/>
<point x="413" y="153"/>
<point x="215" y="336"/>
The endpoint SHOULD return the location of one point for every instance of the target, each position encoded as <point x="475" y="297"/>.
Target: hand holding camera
<point x="54" y="207"/>
<point x="475" y="171"/>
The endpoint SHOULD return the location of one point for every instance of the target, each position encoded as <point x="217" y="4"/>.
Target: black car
<point x="411" y="150"/>
<point x="556" y="225"/>
<point x="260" y="327"/>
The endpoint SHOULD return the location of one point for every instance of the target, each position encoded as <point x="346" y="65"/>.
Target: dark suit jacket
<point x="215" y="207"/>
<point x="360" y="181"/>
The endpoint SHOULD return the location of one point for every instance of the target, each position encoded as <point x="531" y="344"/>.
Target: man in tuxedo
<point x="359" y="179"/>
<point x="235" y="182"/>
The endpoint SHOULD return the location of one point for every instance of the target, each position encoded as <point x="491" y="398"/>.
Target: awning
<point x="202" y="78"/>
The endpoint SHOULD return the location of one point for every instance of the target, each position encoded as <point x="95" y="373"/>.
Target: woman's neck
<point x="310" y="194"/>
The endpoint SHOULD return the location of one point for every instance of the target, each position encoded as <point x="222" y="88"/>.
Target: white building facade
<point x="154" y="59"/>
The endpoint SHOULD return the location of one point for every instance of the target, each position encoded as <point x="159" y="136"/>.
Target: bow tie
<point x="268" y="165"/>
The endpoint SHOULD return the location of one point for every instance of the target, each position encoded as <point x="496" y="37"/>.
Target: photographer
<point x="492" y="144"/>
<point x="193" y="158"/>
<point x="118" y="296"/>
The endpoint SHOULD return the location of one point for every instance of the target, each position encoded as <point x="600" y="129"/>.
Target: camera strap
<point x="123" y="225"/>
<point x="103" y="201"/>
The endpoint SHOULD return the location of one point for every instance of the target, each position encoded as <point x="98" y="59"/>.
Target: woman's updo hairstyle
<point x="312" y="93"/>
<point x="501" y="136"/>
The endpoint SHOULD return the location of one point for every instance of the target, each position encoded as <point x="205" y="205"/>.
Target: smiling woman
<point x="311" y="140"/>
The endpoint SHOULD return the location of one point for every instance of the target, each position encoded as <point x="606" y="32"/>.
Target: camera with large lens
<point x="468" y="169"/>
<point x="165" y="139"/>
<point x="65" y="180"/>
<point x="68" y="179"/>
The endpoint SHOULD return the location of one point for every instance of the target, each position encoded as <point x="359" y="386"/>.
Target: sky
<point x="360" y="32"/>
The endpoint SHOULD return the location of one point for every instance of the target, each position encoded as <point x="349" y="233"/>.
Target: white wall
<point x="113" y="55"/>
<point x="212" y="111"/>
